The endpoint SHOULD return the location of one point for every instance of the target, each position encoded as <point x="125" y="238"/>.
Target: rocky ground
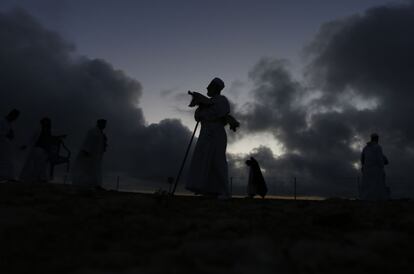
<point x="58" y="229"/>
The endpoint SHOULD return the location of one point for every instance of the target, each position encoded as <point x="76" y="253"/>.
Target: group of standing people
<point x="208" y="173"/>
<point x="87" y="168"/>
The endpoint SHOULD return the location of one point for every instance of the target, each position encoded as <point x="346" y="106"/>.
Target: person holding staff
<point x="208" y="174"/>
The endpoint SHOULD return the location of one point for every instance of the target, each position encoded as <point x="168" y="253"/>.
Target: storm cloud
<point x="42" y="75"/>
<point x="359" y="80"/>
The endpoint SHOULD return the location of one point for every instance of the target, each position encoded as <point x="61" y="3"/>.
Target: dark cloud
<point x="274" y="96"/>
<point x="42" y="75"/>
<point x="157" y="150"/>
<point x="359" y="81"/>
<point x="371" y="56"/>
<point x="361" y="72"/>
<point x="319" y="154"/>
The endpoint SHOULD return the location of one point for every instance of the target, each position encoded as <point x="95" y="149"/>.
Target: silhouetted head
<point x="13" y="115"/>
<point x="215" y="87"/>
<point x="374" y="138"/>
<point x="101" y="124"/>
<point x="251" y="161"/>
<point x="46" y="123"/>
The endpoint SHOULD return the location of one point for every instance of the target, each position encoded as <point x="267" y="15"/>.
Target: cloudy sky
<point x="309" y="79"/>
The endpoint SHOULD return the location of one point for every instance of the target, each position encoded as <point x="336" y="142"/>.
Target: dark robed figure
<point x="373" y="185"/>
<point x="256" y="184"/>
<point x="208" y="173"/>
<point x="87" y="170"/>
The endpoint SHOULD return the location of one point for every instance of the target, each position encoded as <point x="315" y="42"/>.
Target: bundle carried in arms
<point x="199" y="99"/>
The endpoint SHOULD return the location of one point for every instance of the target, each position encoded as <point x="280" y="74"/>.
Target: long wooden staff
<point x="184" y="160"/>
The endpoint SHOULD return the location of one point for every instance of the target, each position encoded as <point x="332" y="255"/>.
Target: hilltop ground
<point x="57" y="229"/>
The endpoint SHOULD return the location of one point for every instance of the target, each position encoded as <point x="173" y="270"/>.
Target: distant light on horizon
<point x="253" y="141"/>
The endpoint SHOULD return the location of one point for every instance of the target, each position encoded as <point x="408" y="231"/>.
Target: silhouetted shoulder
<point x="376" y="147"/>
<point x="220" y="99"/>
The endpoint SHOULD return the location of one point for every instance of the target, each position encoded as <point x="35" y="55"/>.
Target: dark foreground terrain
<point x="56" y="229"/>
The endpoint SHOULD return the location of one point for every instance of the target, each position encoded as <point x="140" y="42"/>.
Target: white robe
<point x="87" y="170"/>
<point x="208" y="168"/>
<point x="35" y="169"/>
<point x="373" y="185"/>
<point x="7" y="167"/>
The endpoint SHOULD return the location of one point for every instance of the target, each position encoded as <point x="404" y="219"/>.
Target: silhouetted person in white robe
<point x="373" y="185"/>
<point x="7" y="167"/>
<point x="256" y="184"/>
<point x="208" y="173"/>
<point x="35" y="169"/>
<point x="87" y="169"/>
